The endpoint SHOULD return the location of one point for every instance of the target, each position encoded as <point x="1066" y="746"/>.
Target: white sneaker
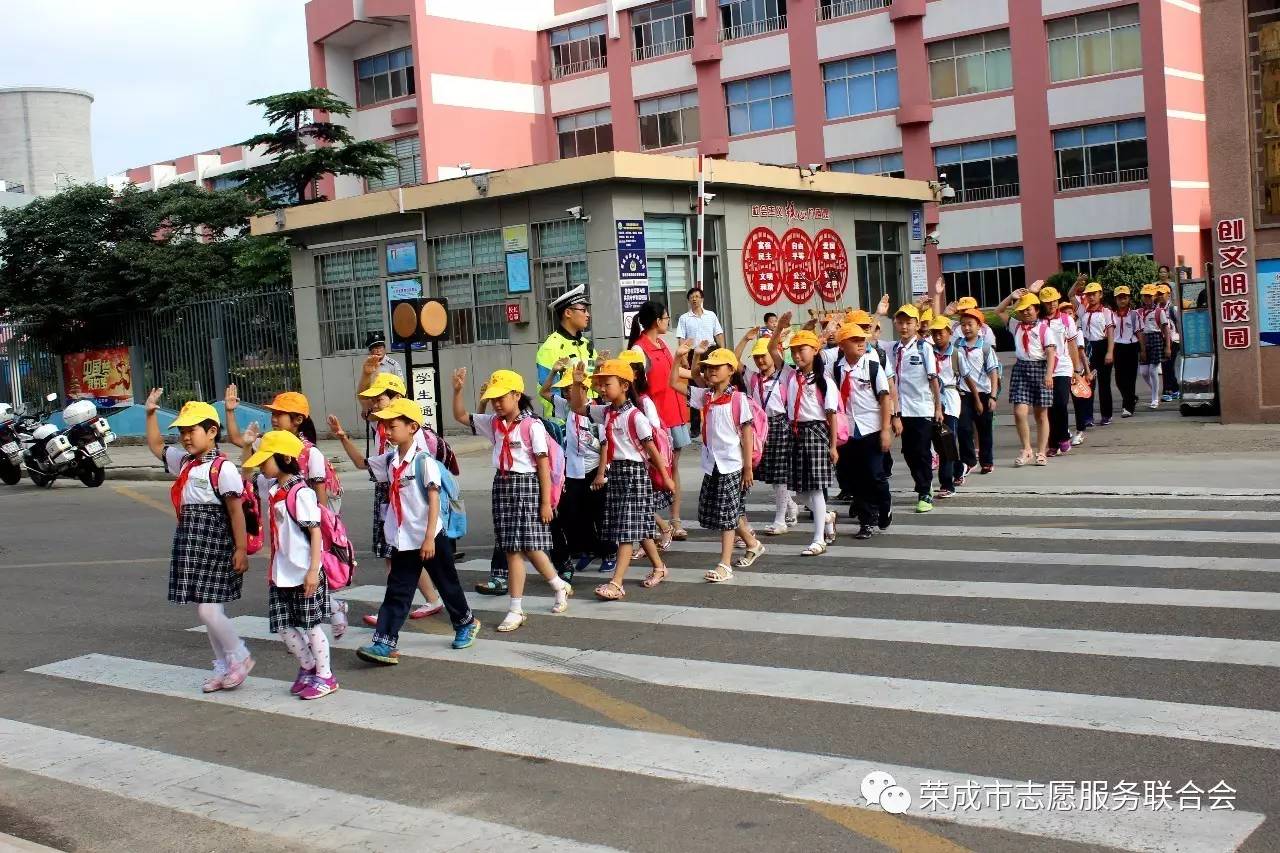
<point x="1077" y="439"/>
<point x="1155" y="404"/>
<point x="1125" y="413"/>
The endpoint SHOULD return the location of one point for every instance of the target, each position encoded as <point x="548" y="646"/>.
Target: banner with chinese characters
<point x="1235" y="301"/>
<point x="100" y="375"/>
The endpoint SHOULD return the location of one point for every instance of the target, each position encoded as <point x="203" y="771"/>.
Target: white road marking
<point x="1090" y="534"/>
<point x="1072" y="513"/>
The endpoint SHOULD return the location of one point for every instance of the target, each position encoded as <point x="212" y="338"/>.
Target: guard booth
<point x="1197" y="363"/>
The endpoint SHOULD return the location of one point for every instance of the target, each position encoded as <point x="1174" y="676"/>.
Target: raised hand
<point x="335" y="427"/>
<point x="459" y="378"/>
<point x="251" y="435"/>
<point x="232" y="397"/>
<point x="153" y="399"/>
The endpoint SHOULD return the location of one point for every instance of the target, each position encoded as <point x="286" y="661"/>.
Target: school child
<point x="521" y="496"/>
<point x="1031" y="385"/>
<point x="1153" y="341"/>
<point x="918" y="400"/>
<point x="298" y="595"/>
<point x="1063" y="328"/>
<point x="1098" y="324"/>
<point x="414" y="532"/>
<point x="953" y="371"/>
<point x="811" y="402"/>
<point x="956" y="311"/>
<point x="977" y="401"/>
<point x="382" y="391"/>
<point x="862" y="385"/>
<point x="1164" y="300"/>
<point x="209" y="556"/>
<point x="775" y="464"/>
<point x="624" y="476"/>
<point x="1126" y="350"/>
<point x="291" y="413"/>
<point x="679" y="380"/>
<point x="580" y="505"/>
<point x="727" y="442"/>
<point x="876" y="349"/>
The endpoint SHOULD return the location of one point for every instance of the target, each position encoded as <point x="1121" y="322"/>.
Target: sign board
<point x="513" y="312"/>
<point x="917" y="224"/>
<point x="1234" y="300"/>
<point x="100" y="375"/>
<point x="790" y="212"/>
<point x="797" y="266"/>
<point x="1268" y="302"/>
<point x="633" y="294"/>
<point x="831" y="265"/>
<point x="633" y="263"/>
<point x="1197" y="332"/>
<point x="761" y="266"/>
<point x="402" y="257"/>
<point x="518" y="272"/>
<point x="424" y="394"/>
<point x="919" y="274"/>
<point x="515" y="238"/>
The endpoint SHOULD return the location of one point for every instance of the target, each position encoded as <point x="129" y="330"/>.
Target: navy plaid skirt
<point x="775" y="463"/>
<point x="628" y="503"/>
<point x="287" y="607"/>
<point x="720" y="500"/>
<point x="200" y="566"/>
<point x="1026" y="385"/>
<point x="811" y="468"/>
<point x="515" y="502"/>
<point x="1155" y="347"/>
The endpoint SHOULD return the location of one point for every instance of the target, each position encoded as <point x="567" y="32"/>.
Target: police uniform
<point x="562" y="344"/>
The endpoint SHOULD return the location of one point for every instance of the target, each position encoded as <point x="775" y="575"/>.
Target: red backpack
<point x="248" y="502"/>
<point x="662" y="441"/>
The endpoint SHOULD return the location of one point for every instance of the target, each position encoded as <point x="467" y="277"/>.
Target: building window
<point x="980" y="171"/>
<point x="761" y="103"/>
<point x="661" y="29"/>
<point x="408" y="169"/>
<point x="884" y="165"/>
<point x="970" y="65"/>
<point x="384" y="77"/>
<point x="878" y="246"/>
<point x="585" y="133"/>
<point x="1101" y="154"/>
<point x="743" y="18"/>
<point x="1090" y="256"/>
<point x="988" y="276"/>
<point x="831" y="9"/>
<point x="671" y="253"/>
<point x="559" y="260"/>
<point x="580" y="47"/>
<point x="672" y="120"/>
<point x="350" y="299"/>
<point x="470" y="271"/>
<point x="864" y="84"/>
<point x="1094" y="43"/>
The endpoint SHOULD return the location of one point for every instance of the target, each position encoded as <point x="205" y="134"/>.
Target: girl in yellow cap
<point x="209" y="555"/>
<point x="521" y="494"/>
<point x="775" y="464"/>
<point x="1031" y="383"/>
<point x="1153" y="343"/>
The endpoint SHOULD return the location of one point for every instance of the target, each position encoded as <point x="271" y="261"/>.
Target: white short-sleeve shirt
<point x="1095" y="322"/>
<point x="811" y="406"/>
<point x="1154" y="319"/>
<point x="912" y="366"/>
<point x="949" y="379"/>
<point x="984" y="333"/>
<point x="723" y="446"/>
<point x="1066" y="331"/>
<point x="581" y="440"/>
<point x="198" y="489"/>
<point x="1126" y="326"/>
<point x="691" y="327"/>
<point x="1029" y="342"/>
<point x="292" y="558"/>
<point x="523" y="459"/>
<point x="768" y="393"/>
<point x="860" y="394"/>
<point x="981" y="360"/>
<point x="624" y="421"/>
<point x="408" y="533"/>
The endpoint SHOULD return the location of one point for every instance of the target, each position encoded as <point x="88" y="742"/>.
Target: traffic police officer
<point x="572" y="313"/>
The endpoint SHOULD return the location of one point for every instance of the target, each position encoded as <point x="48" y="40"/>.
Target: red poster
<point x="831" y="265"/>
<point x="101" y="375"/>
<point x="797" y="266"/>
<point x="761" y="266"/>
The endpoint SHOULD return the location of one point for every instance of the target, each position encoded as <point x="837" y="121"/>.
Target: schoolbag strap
<point x="291" y="501"/>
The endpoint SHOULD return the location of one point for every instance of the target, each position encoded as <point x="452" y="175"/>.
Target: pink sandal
<point x="610" y="592"/>
<point x="655" y="577"/>
<point x="1023" y="458"/>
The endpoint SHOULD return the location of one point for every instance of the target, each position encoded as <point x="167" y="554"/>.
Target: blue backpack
<point x="453" y="510"/>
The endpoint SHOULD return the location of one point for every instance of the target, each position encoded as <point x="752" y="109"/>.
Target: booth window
<point x="407" y="171"/>
<point x="1090" y="256"/>
<point x="350" y="299"/>
<point x="671" y="252"/>
<point x="559" y="260"/>
<point x="878" y="246"/>
<point x="470" y="271"/>
<point x="988" y="276"/>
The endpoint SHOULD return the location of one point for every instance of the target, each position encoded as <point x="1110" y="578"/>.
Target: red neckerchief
<point x="801" y="382"/>
<point x="506" y="459"/>
<point x="897" y="359"/>
<point x="1026" y="337"/>
<point x="726" y="397"/>
<point x="175" y="491"/>
<point x="381" y="430"/>
<point x="393" y="493"/>
<point x="609" y="420"/>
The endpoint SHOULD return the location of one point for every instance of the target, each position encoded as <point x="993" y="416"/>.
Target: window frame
<point x="773" y="99"/>
<point x="842" y="74"/>
<point x="958" y="175"/>
<point x="994" y="281"/>
<point x="408" y="87"/>
<point x="1093" y="265"/>
<point x="955" y="57"/>
<point x="851" y="165"/>
<point x="468" y="322"/>
<point x="766" y="16"/>
<point x="363" y="289"/>
<point x="570" y="259"/>
<point x="673" y="23"/>
<point x="830" y="10"/>
<point x="685" y="112"/>
<point x="598" y="130"/>
<point x="1076" y="38"/>
<point x="864" y="253"/>
<point x="590" y="47"/>
<point x="408" y="168"/>
<point x="1088" y="176"/>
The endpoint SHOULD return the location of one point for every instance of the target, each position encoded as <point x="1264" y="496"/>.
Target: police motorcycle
<point x="79" y="450"/>
<point x="10" y="446"/>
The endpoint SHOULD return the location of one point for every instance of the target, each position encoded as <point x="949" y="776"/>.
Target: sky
<point x="168" y="77"/>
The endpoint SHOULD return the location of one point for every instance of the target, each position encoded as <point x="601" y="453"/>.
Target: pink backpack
<point x="249" y="503"/>
<point x="337" y="554"/>
<point x="555" y="454"/>
<point x="332" y="484"/>
<point x="662" y="441"/>
<point x="759" y="425"/>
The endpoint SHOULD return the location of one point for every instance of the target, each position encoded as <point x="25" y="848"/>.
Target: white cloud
<point x="168" y="78"/>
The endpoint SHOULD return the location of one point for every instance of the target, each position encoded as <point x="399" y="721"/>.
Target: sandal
<point x="513" y="620"/>
<point x="751" y="556"/>
<point x="1041" y="460"/>
<point x="563" y="594"/>
<point x="610" y="592"/>
<point x="1023" y="458"/>
<point x="664" y="539"/>
<point x="678" y="533"/>
<point x="776" y="529"/>
<point x="656" y="576"/>
<point x="721" y="573"/>
<point x="829" y="528"/>
<point x="814" y="549"/>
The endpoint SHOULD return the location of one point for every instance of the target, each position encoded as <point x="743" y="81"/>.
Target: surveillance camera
<point x="707" y="197"/>
<point x="575" y="211"/>
<point x="948" y="192"/>
<point x="815" y="167"/>
<point x="464" y="167"/>
<point x="932" y="238"/>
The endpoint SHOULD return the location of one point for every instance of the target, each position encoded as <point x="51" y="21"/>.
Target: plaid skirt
<point x="775" y="464"/>
<point x="628" y="503"/>
<point x="516" y="525"/>
<point x="811" y="468"/>
<point x="200" y="565"/>
<point x="287" y="607"/>
<point x="1026" y="386"/>
<point x="720" y="500"/>
<point x="1155" y="347"/>
<point x="381" y="499"/>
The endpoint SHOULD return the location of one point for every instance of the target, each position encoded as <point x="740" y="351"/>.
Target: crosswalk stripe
<point x="954" y="634"/>
<point x="253" y="801"/>
<point x="1184" y="721"/>
<point x="827" y="779"/>
<point x="987" y="531"/>
<point x="1137" y="595"/>
<point x="959" y="507"/>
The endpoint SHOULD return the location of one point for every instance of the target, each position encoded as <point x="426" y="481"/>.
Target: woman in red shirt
<point x="647" y="329"/>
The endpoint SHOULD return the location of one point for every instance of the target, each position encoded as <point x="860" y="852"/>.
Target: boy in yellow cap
<point x="863" y="389"/>
<point x="209" y="556"/>
<point x="953" y="371"/>
<point x="913" y="372"/>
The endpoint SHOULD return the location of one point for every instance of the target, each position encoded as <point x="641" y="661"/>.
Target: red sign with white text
<point x="797" y="266"/>
<point x="762" y="266"/>
<point x="831" y="265"/>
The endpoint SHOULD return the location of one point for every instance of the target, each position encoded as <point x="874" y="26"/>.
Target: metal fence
<point x="191" y="351"/>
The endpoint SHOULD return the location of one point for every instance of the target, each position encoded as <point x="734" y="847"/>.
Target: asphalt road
<point x="1029" y="655"/>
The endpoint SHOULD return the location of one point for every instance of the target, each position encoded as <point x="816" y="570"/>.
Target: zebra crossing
<point x="1120" y="650"/>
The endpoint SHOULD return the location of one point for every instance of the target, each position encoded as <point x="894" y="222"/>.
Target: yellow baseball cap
<point x="926" y="316"/>
<point x="401" y="407"/>
<point x="1148" y="290"/>
<point x="1093" y="287"/>
<point x="1050" y="294"/>
<point x="761" y="347"/>
<point x="939" y="323"/>
<point x="805" y="338"/>
<point x="630" y="356"/>
<point x="1122" y="290"/>
<point x="502" y="383"/>
<point x="974" y="314"/>
<point x="616" y="367"/>
<point x="278" y="441"/>
<point x="1164" y="288"/>
<point x="290" y="402"/>
<point x="862" y="318"/>
<point x="964" y="303"/>
<point x="720" y="356"/>
<point x="382" y="383"/>
<point x="910" y="310"/>
<point x="848" y="331"/>
<point x="1028" y="300"/>
<point x="194" y="413"/>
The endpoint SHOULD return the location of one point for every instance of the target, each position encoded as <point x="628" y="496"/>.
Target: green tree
<point x="1061" y="281"/>
<point x="1133" y="270"/>
<point x="306" y="148"/>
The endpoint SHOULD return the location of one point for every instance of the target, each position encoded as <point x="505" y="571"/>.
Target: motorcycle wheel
<point x="40" y="480"/>
<point x="93" y="476"/>
<point x="10" y="475"/>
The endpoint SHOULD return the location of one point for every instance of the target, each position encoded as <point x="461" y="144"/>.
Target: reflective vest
<point x="559" y="345"/>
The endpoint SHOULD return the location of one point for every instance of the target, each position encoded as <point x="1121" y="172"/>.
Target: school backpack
<point x="555" y="455"/>
<point x="453" y="510"/>
<point x="662" y="442"/>
<point x="337" y="554"/>
<point x="441" y="451"/>
<point x="248" y="502"/>
<point x="759" y="425"/>
<point x="332" y="485"/>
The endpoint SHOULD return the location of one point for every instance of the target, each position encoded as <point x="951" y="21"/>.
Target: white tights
<point x="781" y="497"/>
<point x="226" y="643"/>
<point x="1151" y="374"/>
<point x="310" y="647"/>
<point x="817" y="502"/>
